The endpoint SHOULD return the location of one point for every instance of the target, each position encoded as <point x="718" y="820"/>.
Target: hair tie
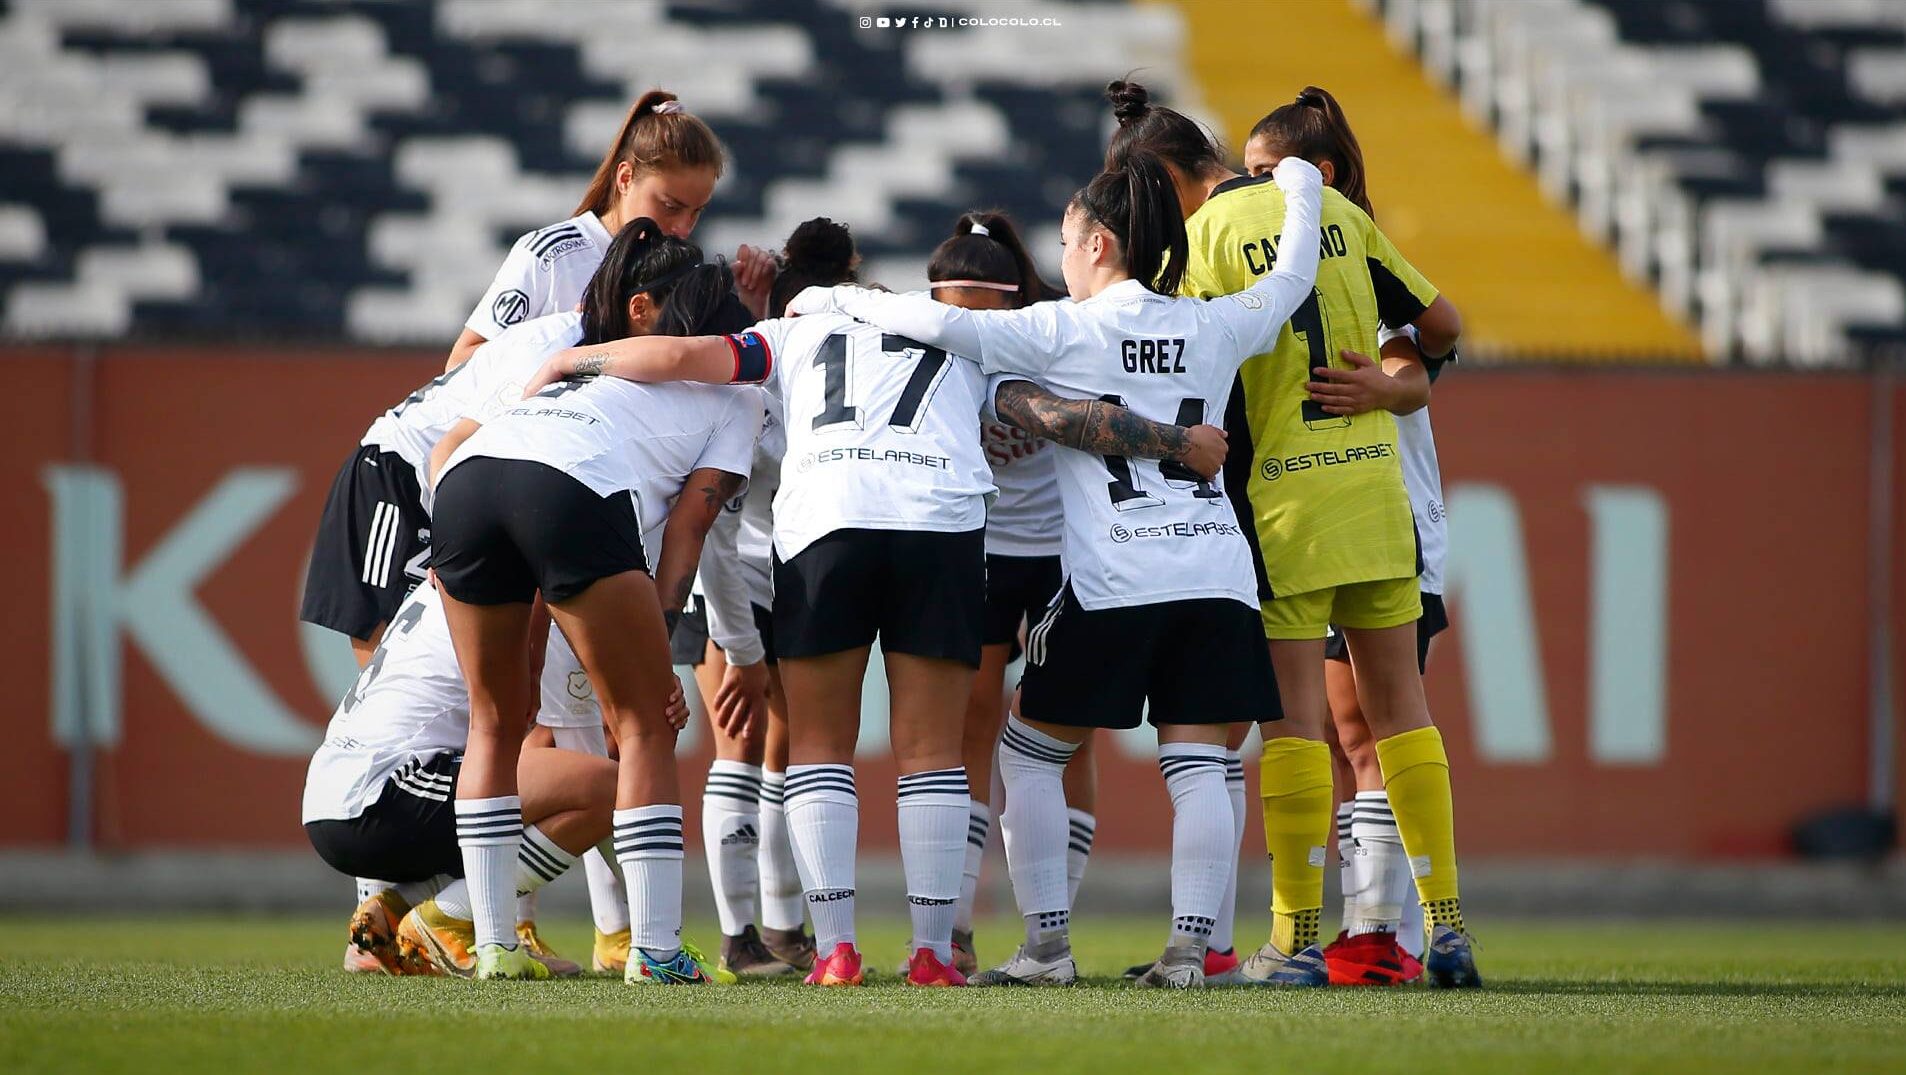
<point x="667" y="108"/>
<point x="979" y="229"/>
<point x="987" y="284"/>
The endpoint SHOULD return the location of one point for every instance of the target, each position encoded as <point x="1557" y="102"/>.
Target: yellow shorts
<point x="1364" y="605"/>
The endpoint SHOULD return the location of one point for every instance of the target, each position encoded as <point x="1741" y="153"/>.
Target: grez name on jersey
<point x="1153" y="356"/>
<point x="1260" y="255"/>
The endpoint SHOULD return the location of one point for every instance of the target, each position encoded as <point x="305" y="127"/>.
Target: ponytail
<point x="1171" y="136"/>
<point x="1314" y="127"/>
<point x="642" y="259"/>
<point x="986" y="248"/>
<point x="1138" y="204"/>
<point x="657" y="135"/>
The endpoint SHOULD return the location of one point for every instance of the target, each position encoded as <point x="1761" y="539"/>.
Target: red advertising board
<point x="1660" y="586"/>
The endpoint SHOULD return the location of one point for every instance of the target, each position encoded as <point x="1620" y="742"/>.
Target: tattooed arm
<point x="703" y="494"/>
<point x="1102" y="428"/>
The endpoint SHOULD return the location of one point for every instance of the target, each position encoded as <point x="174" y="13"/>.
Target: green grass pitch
<point x="218" y="997"/>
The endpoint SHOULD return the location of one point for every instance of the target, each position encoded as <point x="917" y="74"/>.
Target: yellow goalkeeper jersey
<point x="1326" y="492"/>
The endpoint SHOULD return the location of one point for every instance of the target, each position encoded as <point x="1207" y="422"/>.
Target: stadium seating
<point x="1747" y="156"/>
<point x="316" y="168"/>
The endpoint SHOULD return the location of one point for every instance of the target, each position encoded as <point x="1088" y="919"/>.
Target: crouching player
<point x="378" y="795"/>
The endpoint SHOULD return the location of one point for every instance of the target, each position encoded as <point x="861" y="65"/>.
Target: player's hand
<point x="1363" y="387"/>
<point x="755" y="270"/>
<point x="741" y="698"/>
<point x="676" y="713"/>
<point x="558" y="367"/>
<point x="1205" y="451"/>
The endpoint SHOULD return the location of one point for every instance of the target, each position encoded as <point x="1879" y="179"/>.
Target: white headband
<point x="667" y="108"/>
<point x="980" y="229"/>
<point x="987" y="284"/>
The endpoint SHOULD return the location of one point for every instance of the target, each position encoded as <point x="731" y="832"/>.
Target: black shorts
<point x="408" y="834"/>
<point x="372" y="547"/>
<point x="1017" y="588"/>
<point x="1201" y="661"/>
<point x="688" y="641"/>
<point x="506" y="528"/>
<point x="1434" y="621"/>
<point x="920" y="592"/>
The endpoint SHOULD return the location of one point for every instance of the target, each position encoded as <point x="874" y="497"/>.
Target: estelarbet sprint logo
<point x="1274" y="468"/>
<point x="1122" y="533"/>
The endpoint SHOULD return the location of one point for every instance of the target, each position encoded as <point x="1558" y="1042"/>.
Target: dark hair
<point x="1139" y="206"/>
<point x="1171" y="136"/>
<point x="651" y="142"/>
<point x="1313" y="127"/>
<point x="641" y="259"/>
<point x="998" y="256"/>
<point x="704" y="303"/>
<point x="820" y="253"/>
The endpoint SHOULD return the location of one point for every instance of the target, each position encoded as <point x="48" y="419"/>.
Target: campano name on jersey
<point x="873" y="455"/>
<point x="1355" y="453"/>
<point x="1260" y="255"/>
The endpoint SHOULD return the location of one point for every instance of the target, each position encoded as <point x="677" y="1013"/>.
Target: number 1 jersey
<point x="882" y="432"/>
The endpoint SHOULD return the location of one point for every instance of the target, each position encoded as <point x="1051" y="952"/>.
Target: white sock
<point x="1381" y="870"/>
<point x="454" y="900"/>
<point x="1346" y="857"/>
<point x="489" y="832"/>
<point x="608" y="900"/>
<point x="1083" y="829"/>
<point x="1410" y="934"/>
<point x="368" y="887"/>
<point x="781" y="903"/>
<point x="1032" y="765"/>
<point x="415" y="892"/>
<point x="934" y="809"/>
<point x="1203" y="837"/>
<point x="731" y="819"/>
<point x="824" y="825"/>
<point x="979" y="828"/>
<point x="648" y="846"/>
<point x="1221" y="934"/>
<point x="538" y="862"/>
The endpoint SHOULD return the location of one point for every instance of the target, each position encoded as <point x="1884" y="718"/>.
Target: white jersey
<point x="882" y="432"/>
<point x="1416" y="450"/>
<point x="737" y="560"/>
<point x="1137" y="532"/>
<point x="410" y="704"/>
<point x="545" y="273"/>
<point x="1028" y="518"/>
<point x="617" y="436"/>
<point x="491" y="379"/>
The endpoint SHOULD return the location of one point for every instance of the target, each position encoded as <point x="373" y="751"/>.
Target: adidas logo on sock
<point x="744" y="835"/>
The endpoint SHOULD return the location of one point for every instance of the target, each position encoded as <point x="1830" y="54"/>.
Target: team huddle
<point x="1196" y="486"/>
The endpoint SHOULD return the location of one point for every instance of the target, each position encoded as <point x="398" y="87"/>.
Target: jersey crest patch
<point x="509" y="308"/>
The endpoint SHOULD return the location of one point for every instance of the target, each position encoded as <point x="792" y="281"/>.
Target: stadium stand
<point x="316" y="168"/>
<point x="1747" y="156"/>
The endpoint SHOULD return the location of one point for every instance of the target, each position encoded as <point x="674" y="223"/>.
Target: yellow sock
<point x="1416" y="775"/>
<point x="1295" y="786"/>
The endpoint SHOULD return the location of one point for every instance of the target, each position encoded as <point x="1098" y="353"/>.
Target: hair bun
<point x="1130" y="100"/>
<point x="821" y="247"/>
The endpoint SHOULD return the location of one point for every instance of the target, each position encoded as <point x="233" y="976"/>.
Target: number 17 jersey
<point x="882" y="432"/>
